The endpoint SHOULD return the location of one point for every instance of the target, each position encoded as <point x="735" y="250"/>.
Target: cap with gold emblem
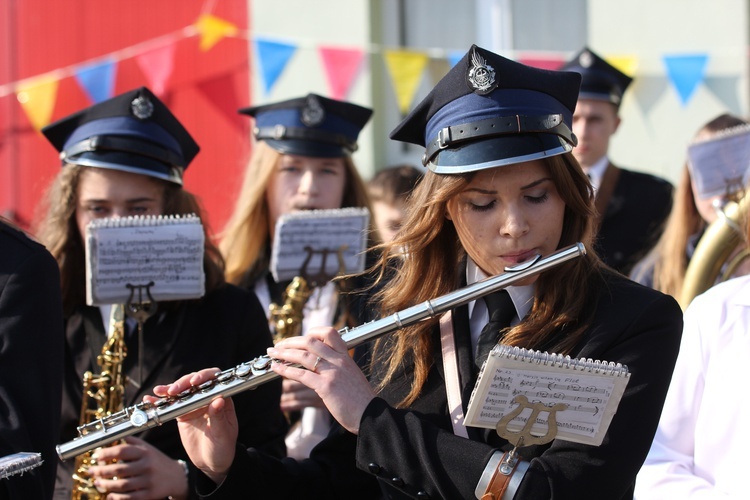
<point x="310" y="126"/>
<point x="599" y="79"/>
<point x="489" y="111"/>
<point x="133" y="132"/>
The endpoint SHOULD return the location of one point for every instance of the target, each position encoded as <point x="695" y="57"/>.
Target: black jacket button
<point x="423" y="494"/>
<point x="397" y="481"/>
<point x="374" y="468"/>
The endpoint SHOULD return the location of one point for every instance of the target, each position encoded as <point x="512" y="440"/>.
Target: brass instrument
<point x="715" y="247"/>
<point x="287" y="318"/>
<point x="253" y="373"/>
<point x="102" y="398"/>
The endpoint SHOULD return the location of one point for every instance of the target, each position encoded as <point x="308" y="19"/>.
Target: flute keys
<point x="138" y="418"/>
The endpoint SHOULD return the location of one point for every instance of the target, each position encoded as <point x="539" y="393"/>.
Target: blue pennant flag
<point x="454" y="57"/>
<point x="273" y="58"/>
<point x="98" y="80"/>
<point x="685" y="73"/>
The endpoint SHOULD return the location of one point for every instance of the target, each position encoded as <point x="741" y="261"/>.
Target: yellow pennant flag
<point x="212" y="30"/>
<point x="626" y="64"/>
<point x="406" y="68"/>
<point x="38" y="97"/>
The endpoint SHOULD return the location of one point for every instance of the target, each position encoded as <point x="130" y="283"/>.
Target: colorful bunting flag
<point x="626" y="64"/>
<point x="438" y="68"/>
<point x="157" y="66"/>
<point x="97" y="80"/>
<point x="212" y="30"/>
<point x="727" y="90"/>
<point x="341" y="67"/>
<point x="543" y="62"/>
<point x="38" y="97"/>
<point x="273" y="58"/>
<point x="454" y="56"/>
<point x="406" y="68"/>
<point x="685" y="73"/>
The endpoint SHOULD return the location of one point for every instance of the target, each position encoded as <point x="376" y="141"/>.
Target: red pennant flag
<point x="222" y="93"/>
<point x="157" y="66"/>
<point x="543" y="62"/>
<point x="342" y="66"/>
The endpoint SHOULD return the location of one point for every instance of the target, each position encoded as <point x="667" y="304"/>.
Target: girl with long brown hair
<point x="125" y="157"/>
<point x="502" y="188"/>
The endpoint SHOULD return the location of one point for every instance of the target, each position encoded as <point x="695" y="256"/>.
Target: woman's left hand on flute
<point x="328" y="369"/>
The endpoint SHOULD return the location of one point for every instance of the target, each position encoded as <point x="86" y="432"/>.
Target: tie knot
<point x="500" y="306"/>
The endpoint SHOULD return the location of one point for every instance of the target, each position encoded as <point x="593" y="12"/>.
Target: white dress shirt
<point x="701" y="444"/>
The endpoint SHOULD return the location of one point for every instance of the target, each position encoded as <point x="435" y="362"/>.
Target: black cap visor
<point x="497" y="151"/>
<point x="125" y="162"/>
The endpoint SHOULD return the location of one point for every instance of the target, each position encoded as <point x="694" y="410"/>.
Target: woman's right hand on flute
<point x="209" y="434"/>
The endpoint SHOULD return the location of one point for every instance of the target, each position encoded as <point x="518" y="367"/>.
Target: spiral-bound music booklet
<point x="590" y="391"/>
<point x="314" y="243"/>
<point x="18" y="463"/>
<point x="128" y="252"/>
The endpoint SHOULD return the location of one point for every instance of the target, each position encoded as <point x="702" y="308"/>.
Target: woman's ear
<point x="448" y="215"/>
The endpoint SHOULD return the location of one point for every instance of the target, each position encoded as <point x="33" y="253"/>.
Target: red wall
<point x="204" y="90"/>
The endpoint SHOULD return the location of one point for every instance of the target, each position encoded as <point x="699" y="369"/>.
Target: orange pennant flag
<point x="406" y="68"/>
<point x="38" y="97"/>
<point x="212" y="29"/>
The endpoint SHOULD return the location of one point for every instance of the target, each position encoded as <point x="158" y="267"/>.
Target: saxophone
<point x="287" y="318"/>
<point x="102" y="397"/>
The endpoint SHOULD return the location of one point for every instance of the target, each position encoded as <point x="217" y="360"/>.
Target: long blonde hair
<point x="246" y="236"/>
<point x="58" y="231"/>
<point x="434" y="254"/>
<point x="668" y="258"/>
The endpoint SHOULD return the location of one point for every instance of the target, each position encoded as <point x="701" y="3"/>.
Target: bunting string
<point x="341" y="66"/>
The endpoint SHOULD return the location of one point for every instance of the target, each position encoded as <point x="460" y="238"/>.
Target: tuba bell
<point x="712" y="254"/>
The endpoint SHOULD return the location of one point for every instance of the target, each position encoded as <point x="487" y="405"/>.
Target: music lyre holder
<point x="322" y="277"/>
<point x="524" y="437"/>
<point x="140" y="309"/>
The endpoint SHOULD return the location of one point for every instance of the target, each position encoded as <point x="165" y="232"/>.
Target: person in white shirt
<point x="700" y="447"/>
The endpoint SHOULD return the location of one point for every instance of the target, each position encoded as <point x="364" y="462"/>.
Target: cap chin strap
<point x="503" y="125"/>
<point x="280" y="132"/>
<point x="122" y="144"/>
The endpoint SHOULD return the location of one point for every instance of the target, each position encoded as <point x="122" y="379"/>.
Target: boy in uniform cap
<point x="301" y="160"/>
<point x="126" y="157"/>
<point x="501" y="188"/>
<point x="632" y="205"/>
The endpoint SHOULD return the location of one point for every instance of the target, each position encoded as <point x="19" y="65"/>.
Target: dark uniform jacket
<point x="633" y="218"/>
<point x="414" y="453"/>
<point x="31" y="346"/>
<point x="225" y="328"/>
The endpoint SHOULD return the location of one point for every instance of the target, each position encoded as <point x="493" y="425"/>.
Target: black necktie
<point x="501" y="312"/>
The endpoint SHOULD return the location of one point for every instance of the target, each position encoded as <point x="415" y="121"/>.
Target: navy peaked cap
<point x="310" y="126"/>
<point x="133" y="132"/>
<point x="600" y="80"/>
<point x="490" y="111"/>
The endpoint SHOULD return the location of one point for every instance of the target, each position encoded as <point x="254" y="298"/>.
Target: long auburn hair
<point x="245" y="239"/>
<point x="58" y="231"/>
<point x="668" y="258"/>
<point x="432" y="253"/>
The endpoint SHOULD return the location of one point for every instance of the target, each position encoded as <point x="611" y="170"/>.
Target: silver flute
<point x="253" y="373"/>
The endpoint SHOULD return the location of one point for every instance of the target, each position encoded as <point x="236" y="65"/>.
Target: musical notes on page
<point x="320" y="244"/>
<point x="590" y="391"/>
<point x="136" y="251"/>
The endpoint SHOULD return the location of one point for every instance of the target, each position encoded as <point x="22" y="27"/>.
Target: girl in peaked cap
<point x="126" y="157"/>
<point x="501" y="188"/>
<point x="301" y="160"/>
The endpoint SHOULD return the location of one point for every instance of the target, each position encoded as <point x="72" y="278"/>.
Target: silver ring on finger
<point x="315" y="366"/>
